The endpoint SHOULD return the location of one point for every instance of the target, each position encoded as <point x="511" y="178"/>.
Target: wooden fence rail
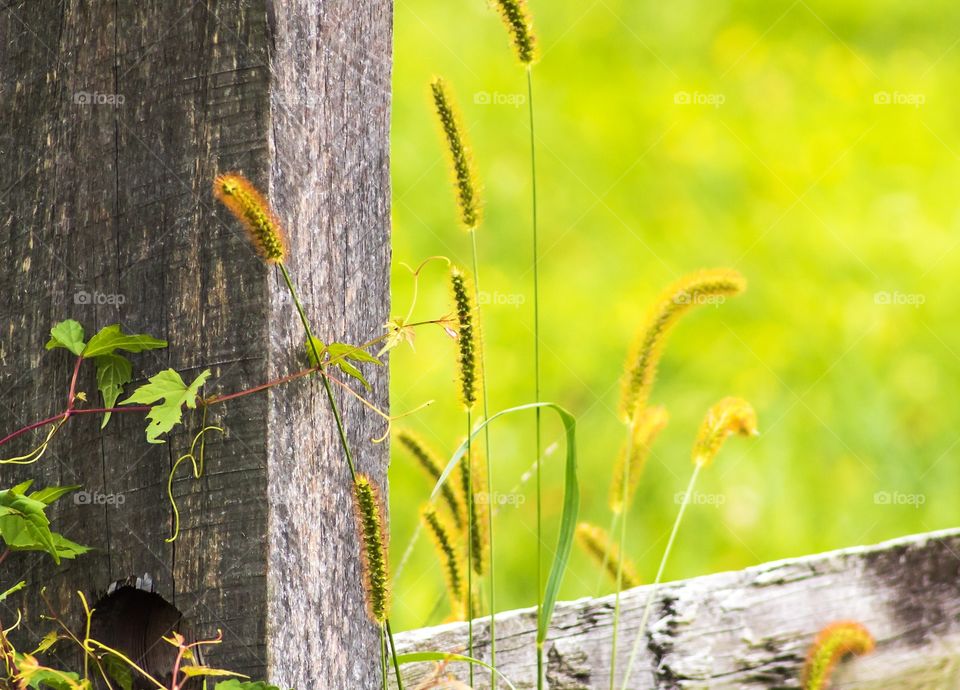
<point x="747" y="629"/>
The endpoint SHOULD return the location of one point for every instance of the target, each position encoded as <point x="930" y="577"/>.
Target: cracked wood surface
<point x="747" y="629"/>
<point x="109" y="194"/>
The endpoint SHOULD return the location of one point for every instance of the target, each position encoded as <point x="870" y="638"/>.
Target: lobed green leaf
<point x="67" y="334"/>
<point x="112" y="338"/>
<point x="169" y="387"/>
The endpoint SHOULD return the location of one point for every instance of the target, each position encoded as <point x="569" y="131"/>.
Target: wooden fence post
<point x="116" y="116"/>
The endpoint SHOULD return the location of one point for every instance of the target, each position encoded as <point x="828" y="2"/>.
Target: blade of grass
<point x="571" y="505"/>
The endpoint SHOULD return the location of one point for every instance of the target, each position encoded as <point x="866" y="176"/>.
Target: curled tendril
<point x="7" y="631"/>
<point x="400" y="329"/>
<point x="196" y="460"/>
<point x="39" y="451"/>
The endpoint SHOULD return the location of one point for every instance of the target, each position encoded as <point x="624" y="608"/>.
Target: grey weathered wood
<point x="748" y="629"/>
<point x="116" y="200"/>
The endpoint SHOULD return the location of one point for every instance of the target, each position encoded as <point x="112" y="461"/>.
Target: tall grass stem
<point x="536" y="357"/>
<point x="656" y="582"/>
<point x="623" y="544"/>
<point x="486" y="446"/>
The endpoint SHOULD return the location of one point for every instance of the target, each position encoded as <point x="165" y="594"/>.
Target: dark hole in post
<point x="134" y="620"/>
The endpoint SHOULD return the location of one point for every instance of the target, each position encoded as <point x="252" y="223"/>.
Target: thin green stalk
<point x="383" y="657"/>
<point x="340" y="429"/>
<point x="468" y="468"/>
<point x="326" y="383"/>
<point x="536" y="359"/>
<point x="393" y="653"/>
<point x="653" y="588"/>
<point x="623" y="545"/>
<point x="344" y="442"/>
<point x="300" y="311"/>
<point x="486" y="445"/>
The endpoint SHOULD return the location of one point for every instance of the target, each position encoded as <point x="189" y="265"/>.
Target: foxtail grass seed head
<point x="243" y="200"/>
<point x="465" y="179"/>
<point x="598" y="545"/>
<point x="516" y="17"/>
<point x="473" y="475"/>
<point x="431" y="465"/>
<point x="703" y="287"/>
<point x="832" y="644"/>
<point x="449" y="557"/>
<point x="467" y="336"/>
<point x="371" y="524"/>
<point x="727" y="417"/>
<point x="647" y="426"/>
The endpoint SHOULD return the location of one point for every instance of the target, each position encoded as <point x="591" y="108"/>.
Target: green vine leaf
<point x="113" y="373"/>
<point x="168" y="386"/>
<point x="112" y="338"/>
<point x="33" y="675"/>
<point x="67" y="334"/>
<point x="118" y="670"/>
<point x="340" y="355"/>
<point x="24" y="525"/>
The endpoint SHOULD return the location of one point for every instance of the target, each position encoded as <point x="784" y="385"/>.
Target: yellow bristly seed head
<point x="516" y="17"/>
<point x="632" y="459"/>
<point x="371" y="524"/>
<point x="449" y="556"/>
<point x="249" y="207"/>
<point x="832" y="644"/>
<point x="473" y="476"/>
<point x="467" y="338"/>
<point x="703" y="287"/>
<point x="468" y="195"/>
<point x="429" y="462"/>
<point x="596" y="542"/>
<point x="727" y="417"/>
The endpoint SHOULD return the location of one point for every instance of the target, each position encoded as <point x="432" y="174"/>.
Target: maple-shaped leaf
<point x="169" y="387"/>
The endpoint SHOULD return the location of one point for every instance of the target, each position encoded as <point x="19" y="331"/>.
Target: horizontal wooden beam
<point x="746" y="629"/>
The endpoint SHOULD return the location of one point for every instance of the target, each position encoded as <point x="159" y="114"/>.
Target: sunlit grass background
<point x="818" y="155"/>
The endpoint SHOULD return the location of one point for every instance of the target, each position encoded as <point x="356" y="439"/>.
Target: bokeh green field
<point x="815" y="147"/>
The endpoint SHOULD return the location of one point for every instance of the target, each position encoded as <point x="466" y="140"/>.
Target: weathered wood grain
<point x="748" y="629"/>
<point x="113" y="199"/>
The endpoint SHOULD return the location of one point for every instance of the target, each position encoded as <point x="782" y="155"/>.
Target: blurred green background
<point x="811" y="145"/>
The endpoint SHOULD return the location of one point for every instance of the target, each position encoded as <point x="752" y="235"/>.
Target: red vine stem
<point x="262" y="387"/>
<point x="214" y="400"/>
<point x="73" y="383"/>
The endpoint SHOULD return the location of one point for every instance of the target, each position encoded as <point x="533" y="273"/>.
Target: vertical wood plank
<point x="112" y="200"/>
